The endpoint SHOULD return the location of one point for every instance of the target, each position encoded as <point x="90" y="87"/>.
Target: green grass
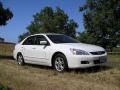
<point x="116" y="49"/>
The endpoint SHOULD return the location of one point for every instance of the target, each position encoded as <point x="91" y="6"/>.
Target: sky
<point x="24" y="10"/>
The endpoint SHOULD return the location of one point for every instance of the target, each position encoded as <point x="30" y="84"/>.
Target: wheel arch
<point x="53" y="56"/>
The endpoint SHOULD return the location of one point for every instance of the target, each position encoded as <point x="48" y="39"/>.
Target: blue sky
<point x="24" y="10"/>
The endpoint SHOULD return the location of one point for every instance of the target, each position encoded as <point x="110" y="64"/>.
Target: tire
<point x="60" y="63"/>
<point x="20" y="59"/>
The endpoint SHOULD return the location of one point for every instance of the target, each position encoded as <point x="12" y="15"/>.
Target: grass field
<point x="35" y="77"/>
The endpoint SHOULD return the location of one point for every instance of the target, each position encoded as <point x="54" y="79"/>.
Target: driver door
<point x="40" y="50"/>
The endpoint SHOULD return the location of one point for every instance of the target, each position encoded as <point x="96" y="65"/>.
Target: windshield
<point x="62" y="39"/>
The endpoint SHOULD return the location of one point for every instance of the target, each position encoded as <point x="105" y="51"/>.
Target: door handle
<point x="33" y="48"/>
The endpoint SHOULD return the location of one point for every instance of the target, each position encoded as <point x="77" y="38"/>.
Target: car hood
<point x="83" y="46"/>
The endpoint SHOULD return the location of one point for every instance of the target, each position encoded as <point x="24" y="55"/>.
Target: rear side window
<point x="29" y="41"/>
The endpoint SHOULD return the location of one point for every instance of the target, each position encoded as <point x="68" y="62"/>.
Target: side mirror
<point x="43" y="42"/>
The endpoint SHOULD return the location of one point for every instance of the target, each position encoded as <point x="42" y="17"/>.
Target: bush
<point x="3" y="87"/>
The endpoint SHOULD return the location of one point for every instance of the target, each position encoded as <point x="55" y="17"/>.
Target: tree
<point x="5" y="15"/>
<point x="51" y="21"/>
<point x="102" y="22"/>
<point x="86" y="37"/>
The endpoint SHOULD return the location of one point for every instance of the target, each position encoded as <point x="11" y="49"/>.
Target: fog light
<point x="84" y="62"/>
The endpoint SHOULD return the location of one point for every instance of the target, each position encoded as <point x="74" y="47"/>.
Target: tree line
<point x="101" y="22"/>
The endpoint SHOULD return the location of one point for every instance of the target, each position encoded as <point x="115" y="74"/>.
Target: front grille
<point x="98" y="53"/>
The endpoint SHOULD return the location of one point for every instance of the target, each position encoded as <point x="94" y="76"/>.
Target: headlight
<point x="78" y="52"/>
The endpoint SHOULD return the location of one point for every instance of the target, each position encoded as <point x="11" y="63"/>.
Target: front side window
<point x="39" y="38"/>
<point x="29" y="41"/>
<point x="62" y="39"/>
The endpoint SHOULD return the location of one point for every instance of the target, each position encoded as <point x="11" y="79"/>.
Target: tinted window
<point x="29" y="41"/>
<point x="39" y="38"/>
<point x="62" y="39"/>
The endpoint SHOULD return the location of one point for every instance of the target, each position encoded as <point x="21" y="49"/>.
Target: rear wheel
<point x="60" y="63"/>
<point x="20" y="59"/>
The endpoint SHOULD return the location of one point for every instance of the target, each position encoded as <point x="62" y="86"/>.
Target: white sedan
<point x="59" y="51"/>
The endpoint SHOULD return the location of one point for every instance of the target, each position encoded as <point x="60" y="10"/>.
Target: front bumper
<point x="84" y="61"/>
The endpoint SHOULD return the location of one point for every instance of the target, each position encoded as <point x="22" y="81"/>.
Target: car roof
<point x="46" y="34"/>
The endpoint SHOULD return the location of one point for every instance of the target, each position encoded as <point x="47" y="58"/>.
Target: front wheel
<point x="60" y="63"/>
